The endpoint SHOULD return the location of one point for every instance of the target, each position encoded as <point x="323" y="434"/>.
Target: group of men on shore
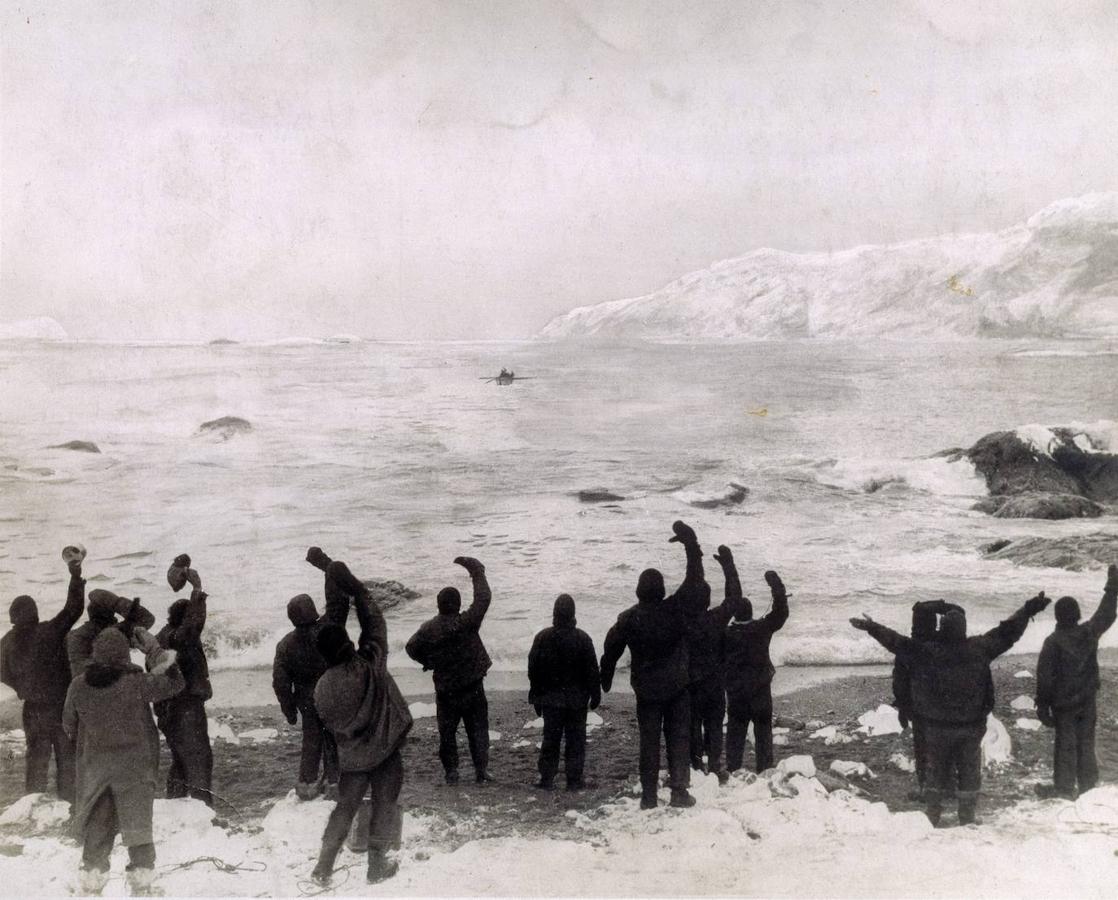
<point x="691" y="666"/>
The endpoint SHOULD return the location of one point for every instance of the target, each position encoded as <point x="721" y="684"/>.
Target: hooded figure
<point x="450" y="645"/>
<point x="103" y="608"/>
<point x="953" y="692"/>
<point x="33" y="663"/>
<point x="706" y="649"/>
<point x="295" y="671"/>
<point x="749" y="677"/>
<point x="182" y="719"/>
<point x="925" y="615"/>
<point x="1067" y="682"/>
<point x="655" y="632"/>
<point x="563" y="681"/>
<point x="359" y="702"/>
<point x="108" y="712"/>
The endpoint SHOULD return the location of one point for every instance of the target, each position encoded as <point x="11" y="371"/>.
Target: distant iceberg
<point x="1054" y="276"/>
<point x="40" y="329"/>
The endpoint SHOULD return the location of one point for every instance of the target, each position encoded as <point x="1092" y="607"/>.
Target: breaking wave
<point x="935" y="475"/>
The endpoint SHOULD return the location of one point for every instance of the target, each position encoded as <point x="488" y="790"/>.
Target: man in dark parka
<point x="749" y="677"/>
<point x="33" y="663"/>
<point x="655" y="632"/>
<point x="1067" y="681"/>
<point x="953" y="692"/>
<point x="359" y="702"/>
<point x="563" y="682"/>
<point x="450" y="646"/>
<point x="182" y="718"/>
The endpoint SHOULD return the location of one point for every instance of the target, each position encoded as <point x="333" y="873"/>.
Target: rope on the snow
<point x="219" y="864"/>
<point x="313" y="889"/>
<point x="1072" y="817"/>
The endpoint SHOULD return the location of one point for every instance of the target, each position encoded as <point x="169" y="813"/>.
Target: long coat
<point x="117" y="744"/>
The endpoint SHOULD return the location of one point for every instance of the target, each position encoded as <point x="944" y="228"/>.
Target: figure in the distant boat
<point x="505" y="377"/>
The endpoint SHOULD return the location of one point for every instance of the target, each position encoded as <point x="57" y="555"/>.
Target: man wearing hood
<point x="707" y="669"/>
<point x="450" y="645"/>
<point x="103" y="608"/>
<point x="563" y="681"/>
<point x="297" y="667"/>
<point x="655" y="632"/>
<point x="182" y="718"/>
<point x="33" y="663"/>
<point x="749" y="677"/>
<point x="953" y="693"/>
<point x="359" y="702"/>
<point x="108" y="713"/>
<point x="1067" y="680"/>
<point x="925" y="620"/>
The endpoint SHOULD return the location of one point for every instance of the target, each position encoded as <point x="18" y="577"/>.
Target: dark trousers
<point x="1074" y="761"/>
<point x="99" y="834"/>
<point x="318" y="744"/>
<point x="183" y="723"/>
<point x="560" y="723"/>
<point x="744" y="709"/>
<point x="42" y="728"/>
<point x="470" y="707"/>
<point x="954" y="751"/>
<point x="708" y="709"/>
<point x="920" y="751"/>
<point x="672" y="718"/>
<point x="386" y="819"/>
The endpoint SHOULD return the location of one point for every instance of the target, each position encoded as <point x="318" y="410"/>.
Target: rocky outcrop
<point x="226" y="427"/>
<point x="598" y="495"/>
<point x="1076" y="553"/>
<point x="80" y="446"/>
<point x="1037" y="472"/>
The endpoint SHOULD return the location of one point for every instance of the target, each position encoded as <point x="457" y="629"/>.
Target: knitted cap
<point x="110" y="649"/>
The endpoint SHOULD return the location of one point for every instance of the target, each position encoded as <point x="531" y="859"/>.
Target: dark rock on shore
<point x="225" y="427"/>
<point x="1059" y="473"/>
<point x="1039" y="506"/>
<point x="80" y="446"/>
<point x="389" y="593"/>
<point x="598" y="495"/>
<point x="1076" y="553"/>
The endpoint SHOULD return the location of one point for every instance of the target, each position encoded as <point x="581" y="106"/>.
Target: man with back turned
<point x="655" y="631"/>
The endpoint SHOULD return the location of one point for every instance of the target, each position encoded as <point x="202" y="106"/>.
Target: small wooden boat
<point x="506" y="377"/>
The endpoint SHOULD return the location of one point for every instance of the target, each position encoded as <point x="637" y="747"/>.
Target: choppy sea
<point x="399" y="457"/>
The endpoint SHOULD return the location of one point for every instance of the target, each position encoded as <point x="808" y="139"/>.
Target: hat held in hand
<point x="176" y="574"/>
<point x="73" y="553"/>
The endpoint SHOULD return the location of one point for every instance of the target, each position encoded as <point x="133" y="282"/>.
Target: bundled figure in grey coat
<point x="108" y="714"/>
<point x="358" y="700"/>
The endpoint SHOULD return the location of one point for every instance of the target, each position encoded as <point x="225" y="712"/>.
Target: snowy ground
<point x="779" y="835"/>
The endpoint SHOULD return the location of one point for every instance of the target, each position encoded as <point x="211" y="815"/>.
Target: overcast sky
<point x="466" y="169"/>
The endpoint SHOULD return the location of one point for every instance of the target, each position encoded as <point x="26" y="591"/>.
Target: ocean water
<point x="398" y="457"/>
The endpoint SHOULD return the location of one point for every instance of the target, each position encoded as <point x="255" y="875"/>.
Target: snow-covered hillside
<point x="1054" y="276"/>
<point x="41" y="329"/>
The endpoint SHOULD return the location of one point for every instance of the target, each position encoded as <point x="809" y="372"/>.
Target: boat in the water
<point x="506" y="377"/>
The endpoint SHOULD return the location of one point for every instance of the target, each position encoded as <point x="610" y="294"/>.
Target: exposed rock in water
<point x="219" y="342"/>
<point x="1062" y="472"/>
<point x="1040" y="506"/>
<point x="80" y="446"/>
<point x="389" y="593"/>
<point x="733" y="497"/>
<point x="598" y="495"/>
<point x="225" y="427"/>
<point x="1076" y="553"/>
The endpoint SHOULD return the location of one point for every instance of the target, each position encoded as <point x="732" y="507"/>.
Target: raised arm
<point x="1005" y="634"/>
<point x="337" y="589"/>
<point x="163" y="678"/>
<point x="887" y="637"/>
<point x="732" y="604"/>
<point x="774" y="620"/>
<point x="373" y="641"/>
<point x="474" y="615"/>
<point x="75" y="601"/>
<point x="1105" y="614"/>
<point x="693" y="593"/>
<point x="616" y="641"/>
<point x="193" y="621"/>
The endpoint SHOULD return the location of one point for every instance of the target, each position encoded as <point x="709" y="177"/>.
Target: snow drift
<point x="1054" y="276"/>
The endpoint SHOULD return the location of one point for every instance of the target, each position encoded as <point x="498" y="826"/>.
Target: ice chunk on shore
<point x="422" y="710"/>
<point x="494" y="735"/>
<point x="849" y="768"/>
<point x="883" y="720"/>
<point x="39" y="811"/>
<point x="830" y="735"/>
<point x="997" y="746"/>
<point x="801" y="764"/>
<point x="1028" y="724"/>
<point x="219" y="731"/>
<point x="1024" y="673"/>
<point x="259" y="735"/>
<point x="593" y="720"/>
<point x="1023" y="702"/>
<point x="902" y="762"/>
<point x="534" y="723"/>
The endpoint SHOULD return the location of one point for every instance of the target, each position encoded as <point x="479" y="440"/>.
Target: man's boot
<point x="452" y="776"/>
<point x="92" y="881"/>
<point x="381" y="866"/>
<point x="681" y="799"/>
<point x="483" y="776"/>
<point x="649" y="798"/>
<point x="140" y="882"/>
<point x="968" y="805"/>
